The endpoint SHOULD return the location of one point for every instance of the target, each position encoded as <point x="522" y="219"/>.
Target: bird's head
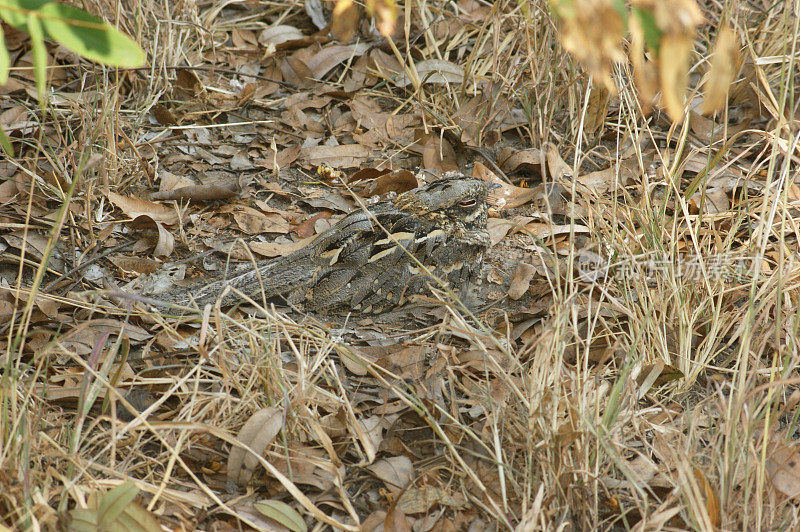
<point x="459" y="198"/>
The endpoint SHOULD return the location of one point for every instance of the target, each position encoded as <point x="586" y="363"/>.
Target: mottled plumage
<point x="372" y="261"/>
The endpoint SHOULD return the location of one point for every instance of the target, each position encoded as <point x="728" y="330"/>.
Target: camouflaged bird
<point x="375" y="260"/>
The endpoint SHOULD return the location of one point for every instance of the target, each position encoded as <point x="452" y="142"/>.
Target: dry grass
<point x="633" y="402"/>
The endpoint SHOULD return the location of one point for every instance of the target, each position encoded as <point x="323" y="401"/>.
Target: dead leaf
<point x="435" y="71"/>
<point x="711" y="499"/>
<point x="396" y="472"/>
<point x="521" y="281"/>
<point x="137" y="265"/>
<point x="506" y="196"/>
<point x="499" y="227"/>
<point x="197" y="193"/>
<point x="556" y="165"/>
<point x="344" y="156"/>
<point x="329" y="57"/>
<point x="397" y="181"/>
<point x="437" y="153"/>
<point x="344" y="20"/>
<point x="279" y="34"/>
<point x="725" y="64"/>
<point x="257" y="433"/>
<point x="134" y="207"/>
<point x="254" y="222"/>
<point x="187" y="81"/>
<point x="529" y="160"/>
<point x="271" y="249"/>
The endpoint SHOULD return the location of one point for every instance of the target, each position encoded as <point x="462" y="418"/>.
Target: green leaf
<point x="652" y="34"/>
<point x="39" y="58"/>
<point x="15" y="12"/>
<point x="83" y="520"/>
<point x="5" y="143"/>
<point x="89" y="36"/>
<point x="282" y="513"/>
<point x="5" y="60"/>
<point x="114" y="503"/>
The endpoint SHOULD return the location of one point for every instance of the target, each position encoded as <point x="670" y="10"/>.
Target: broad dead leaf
<point x="135" y="207"/>
<point x="506" y="196"/>
<point x="437" y="153"/>
<point x="724" y="66"/>
<point x="279" y="34"/>
<point x="396" y="472"/>
<point x="345" y="19"/>
<point x="435" y="71"/>
<point x="521" y="281"/>
<point x="783" y="467"/>
<point x="254" y="222"/>
<point x="329" y="57"/>
<point x="344" y="156"/>
<point x="257" y="433"/>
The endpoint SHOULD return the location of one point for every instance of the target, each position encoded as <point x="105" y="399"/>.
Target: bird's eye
<point x="468" y="203"/>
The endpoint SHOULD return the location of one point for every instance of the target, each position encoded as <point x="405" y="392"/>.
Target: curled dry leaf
<point x="434" y="71"/>
<point x="254" y="222"/>
<point x="165" y="243"/>
<point x="396" y="472"/>
<point x="344" y="156"/>
<point x="506" y="196"/>
<point x="521" y="280"/>
<point x="345" y="19"/>
<point x="556" y="165"/>
<point x="499" y="227"/>
<point x="279" y="34"/>
<point x="437" y="153"/>
<point x="329" y="57"/>
<point x="386" y="181"/>
<point x="134" y="207"/>
<point x="257" y="433"/>
<point x="724" y="66"/>
<point x="511" y="160"/>
<point x="197" y="193"/>
<point x="271" y="249"/>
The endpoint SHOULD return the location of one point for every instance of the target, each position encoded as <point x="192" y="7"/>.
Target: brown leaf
<point x="196" y="193"/>
<point x="279" y="34"/>
<point x="398" y="181"/>
<point x="725" y="64"/>
<point x="270" y="249"/>
<point x="254" y="222"/>
<point x="511" y="160"/>
<point x="521" y="281"/>
<point x="506" y="196"/>
<point x="556" y="165"/>
<point x="164" y="116"/>
<point x="135" y="264"/>
<point x="596" y="110"/>
<point x="711" y="499"/>
<point x="134" y="207"/>
<point x="396" y="472"/>
<point x="345" y="19"/>
<point x="437" y="153"/>
<point x="257" y="433"/>
<point x="329" y="57"/>
<point x="435" y="71"/>
<point x="344" y="156"/>
<point x="187" y="81"/>
<point x="165" y="243"/>
<point x="499" y="227"/>
<point x="306" y="229"/>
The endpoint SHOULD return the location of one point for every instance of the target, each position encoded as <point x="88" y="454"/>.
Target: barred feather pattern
<point x="377" y="259"/>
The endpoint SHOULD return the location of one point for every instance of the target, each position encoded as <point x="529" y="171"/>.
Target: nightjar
<point x="377" y="259"/>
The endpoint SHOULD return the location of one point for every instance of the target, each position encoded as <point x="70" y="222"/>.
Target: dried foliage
<point x="635" y="364"/>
